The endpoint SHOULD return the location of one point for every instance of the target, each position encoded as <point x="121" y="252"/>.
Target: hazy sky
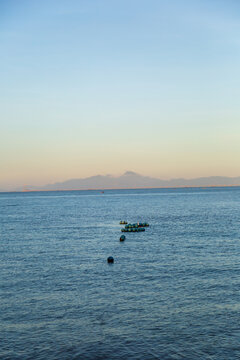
<point x="103" y="86"/>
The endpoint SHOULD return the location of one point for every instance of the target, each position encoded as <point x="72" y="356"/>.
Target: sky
<point x="93" y="87"/>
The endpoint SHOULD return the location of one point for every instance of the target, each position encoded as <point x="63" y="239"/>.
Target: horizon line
<point x="130" y="188"/>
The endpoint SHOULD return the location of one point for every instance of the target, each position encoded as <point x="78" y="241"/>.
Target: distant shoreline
<point x="128" y="180"/>
<point x="136" y="188"/>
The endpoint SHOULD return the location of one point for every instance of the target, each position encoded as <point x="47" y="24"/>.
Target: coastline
<point x="129" y="188"/>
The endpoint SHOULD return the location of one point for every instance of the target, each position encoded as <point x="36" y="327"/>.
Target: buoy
<point x="110" y="260"/>
<point x="133" y="229"/>
<point x="122" y="238"/>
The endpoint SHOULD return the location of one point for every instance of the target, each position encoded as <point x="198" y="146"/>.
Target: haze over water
<point x="172" y="293"/>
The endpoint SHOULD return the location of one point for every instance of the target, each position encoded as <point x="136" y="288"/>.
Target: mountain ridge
<point x="132" y="180"/>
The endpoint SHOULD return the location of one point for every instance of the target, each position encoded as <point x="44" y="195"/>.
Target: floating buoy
<point x="137" y="225"/>
<point x="131" y="226"/>
<point x="132" y="229"/>
<point x="110" y="260"/>
<point x="122" y="238"/>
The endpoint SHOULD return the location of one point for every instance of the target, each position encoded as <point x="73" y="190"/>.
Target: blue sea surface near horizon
<point x="172" y="293"/>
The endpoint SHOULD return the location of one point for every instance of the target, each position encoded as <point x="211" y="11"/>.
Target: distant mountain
<point x="133" y="180"/>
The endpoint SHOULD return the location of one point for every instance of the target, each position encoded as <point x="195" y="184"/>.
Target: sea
<point x="172" y="293"/>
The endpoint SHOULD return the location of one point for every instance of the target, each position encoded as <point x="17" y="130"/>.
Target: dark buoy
<point x="110" y="260"/>
<point x="122" y="238"/>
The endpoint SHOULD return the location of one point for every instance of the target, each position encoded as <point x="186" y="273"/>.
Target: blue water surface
<point x="172" y="293"/>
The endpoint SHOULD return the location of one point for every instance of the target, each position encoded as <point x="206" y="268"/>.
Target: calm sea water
<point x="172" y="293"/>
